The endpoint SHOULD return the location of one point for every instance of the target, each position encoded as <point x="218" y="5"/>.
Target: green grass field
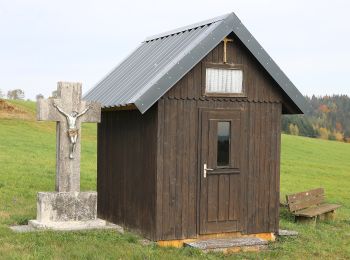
<point x="27" y="165"/>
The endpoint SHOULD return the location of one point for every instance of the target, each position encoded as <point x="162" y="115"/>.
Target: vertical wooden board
<point x="278" y="156"/>
<point x="185" y="168"/>
<point x="171" y="92"/>
<point x="107" y="173"/>
<point x="248" y="177"/>
<point x="193" y="176"/>
<point x="272" y="168"/>
<point x="269" y="166"/>
<point x="221" y="52"/>
<point x="198" y="84"/>
<point x="236" y="148"/>
<point x="264" y="192"/>
<point x="238" y="200"/>
<point x="232" y="198"/>
<point x="215" y="52"/>
<point x="224" y="197"/>
<point x="179" y="163"/>
<point x="212" y="144"/>
<point x="231" y="53"/>
<point x="178" y="89"/>
<point x="241" y="51"/>
<point x="260" y="170"/>
<point x="114" y="197"/>
<point x="252" y="178"/>
<point x="209" y="57"/>
<point x="183" y="87"/>
<point x="202" y="183"/>
<point x="100" y="167"/>
<point x="190" y="84"/>
<point x="275" y="191"/>
<point x="172" y="169"/>
<point x="258" y="173"/>
<point x="159" y="169"/>
<point x="243" y="185"/>
<point x="166" y="176"/>
<point x="235" y="198"/>
<point x="119" y="161"/>
<point x="213" y="198"/>
<point x="129" y="218"/>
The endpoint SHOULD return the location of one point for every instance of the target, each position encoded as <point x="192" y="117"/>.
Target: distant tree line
<point x="13" y="94"/>
<point x="326" y="117"/>
<point x="18" y="94"/>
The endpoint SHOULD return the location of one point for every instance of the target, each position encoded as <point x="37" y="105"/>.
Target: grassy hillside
<point x="27" y="165"/>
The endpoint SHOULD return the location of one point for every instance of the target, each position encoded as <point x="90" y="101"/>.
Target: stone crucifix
<point x="69" y="111"/>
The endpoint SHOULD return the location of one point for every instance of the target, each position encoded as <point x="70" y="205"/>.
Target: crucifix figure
<point x="226" y="40"/>
<point x="68" y="130"/>
<point x="72" y="131"/>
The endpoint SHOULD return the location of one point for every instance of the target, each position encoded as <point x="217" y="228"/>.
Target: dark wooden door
<point x="220" y="187"/>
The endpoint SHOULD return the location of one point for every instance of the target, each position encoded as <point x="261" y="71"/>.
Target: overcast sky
<point x="42" y="42"/>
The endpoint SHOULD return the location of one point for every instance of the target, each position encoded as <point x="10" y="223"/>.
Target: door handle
<point x="205" y="169"/>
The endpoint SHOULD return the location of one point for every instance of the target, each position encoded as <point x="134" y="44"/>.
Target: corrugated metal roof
<point x="162" y="60"/>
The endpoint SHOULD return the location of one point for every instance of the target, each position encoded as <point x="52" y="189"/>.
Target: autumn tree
<point x="293" y="129"/>
<point x="323" y="133"/>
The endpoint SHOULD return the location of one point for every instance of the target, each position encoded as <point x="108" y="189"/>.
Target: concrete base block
<point x="74" y="225"/>
<point x="66" y="206"/>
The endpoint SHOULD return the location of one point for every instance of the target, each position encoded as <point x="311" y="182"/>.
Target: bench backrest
<point x="306" y="199"/>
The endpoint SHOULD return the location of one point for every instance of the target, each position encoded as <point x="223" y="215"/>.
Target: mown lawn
<point x="27" y="165"/>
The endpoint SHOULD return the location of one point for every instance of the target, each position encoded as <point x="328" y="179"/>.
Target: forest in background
<point x="326" y="117"/>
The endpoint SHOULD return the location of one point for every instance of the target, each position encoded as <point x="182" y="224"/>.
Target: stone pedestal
<point x="68" y="211"/>
<point x="66" y="206"/>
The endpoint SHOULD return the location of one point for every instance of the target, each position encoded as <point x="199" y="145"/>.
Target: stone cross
<point x="69" y="111"/>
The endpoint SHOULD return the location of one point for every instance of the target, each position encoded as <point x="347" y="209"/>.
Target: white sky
<point x="42" y="42"/>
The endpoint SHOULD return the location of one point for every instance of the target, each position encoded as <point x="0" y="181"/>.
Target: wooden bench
<point x="309" y="205"/>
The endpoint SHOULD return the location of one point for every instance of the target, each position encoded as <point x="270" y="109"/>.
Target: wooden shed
<point x="189" y="140"/>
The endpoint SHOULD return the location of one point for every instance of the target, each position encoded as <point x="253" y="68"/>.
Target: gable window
<point x="223" y="81"/>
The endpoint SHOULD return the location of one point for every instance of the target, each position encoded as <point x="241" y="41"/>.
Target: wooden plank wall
<point x="127" y="169"/>
<point x="177" y="151"/>
<point x="178" y="169"/>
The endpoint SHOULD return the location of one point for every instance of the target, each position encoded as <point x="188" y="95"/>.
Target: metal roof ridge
<point x="187" y="27"/>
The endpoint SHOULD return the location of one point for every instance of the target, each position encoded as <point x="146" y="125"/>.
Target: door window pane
<point x="224" y="80"/>
<point x="223" y="158"/>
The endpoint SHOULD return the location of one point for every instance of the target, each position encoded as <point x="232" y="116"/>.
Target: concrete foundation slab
<point x="22" y="228"/>
<point x="229" y="245"/>
<point x="73" y="225"/>
<point x="286" y="233"/>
